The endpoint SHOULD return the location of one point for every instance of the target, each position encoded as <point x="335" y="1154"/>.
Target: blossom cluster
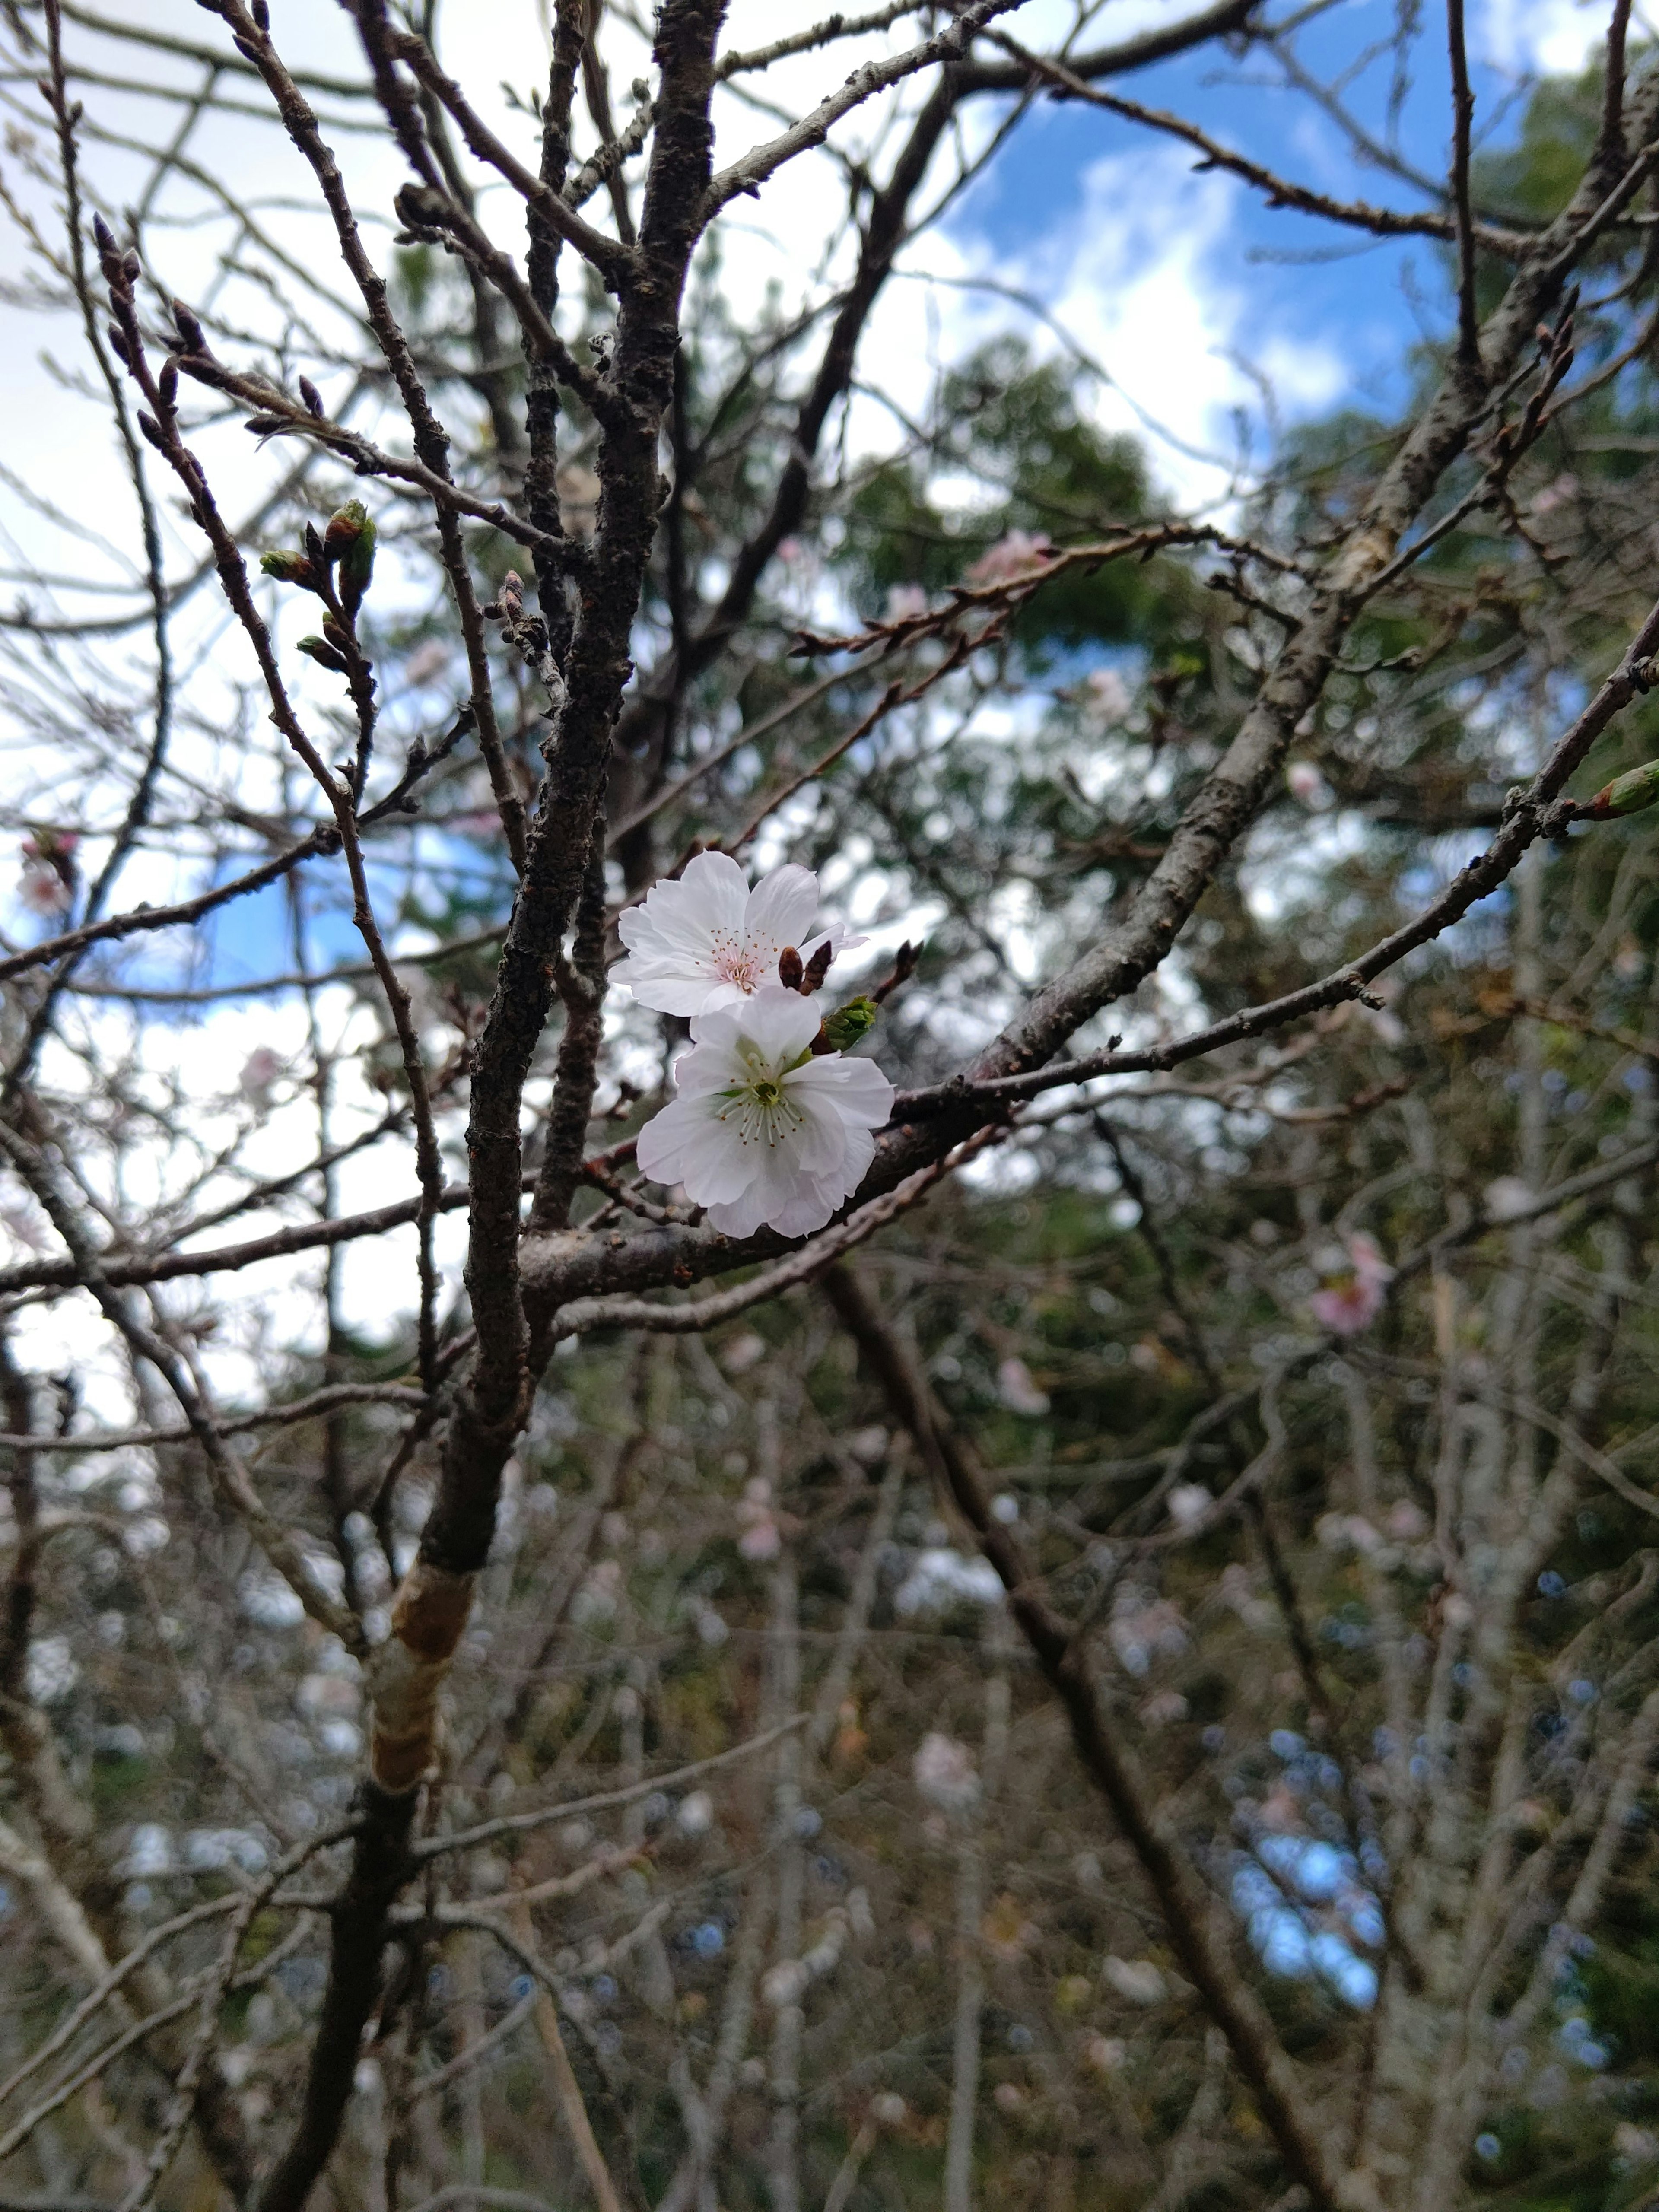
<point x="768" y="1130"/>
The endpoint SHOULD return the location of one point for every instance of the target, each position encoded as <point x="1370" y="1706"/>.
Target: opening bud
<point x="842" y="1028"/>
<point x="287" y="567"/>
<point x="350" y="539"/>
<point x="1626" y="794"/>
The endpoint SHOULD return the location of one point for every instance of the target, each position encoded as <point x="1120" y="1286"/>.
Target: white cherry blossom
<point x="707" y="941"/>
<point x="762" y="1133"/>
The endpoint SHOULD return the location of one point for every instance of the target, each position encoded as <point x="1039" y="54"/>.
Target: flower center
<point x="736" y="961"/>
<point x="761" y="1110"/>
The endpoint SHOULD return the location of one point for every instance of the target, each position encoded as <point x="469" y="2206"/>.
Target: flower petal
<point x="807" y="1208"/>
<point x="781" y="907"/>
<point x="672" y="936"/>
<point x="818" y="1141"/>
<point x="670" y="992"/>
<point x="705" y="1069"/>
<point x="712" y="1168"/>
<point x="718" y="1023"/>
<point x="688" y="1144"/>
<point x="855" y="1161"/>
<point x="857" y="1088"/>
<point x="710" y="894"/>
<point x="778" y="1023"/>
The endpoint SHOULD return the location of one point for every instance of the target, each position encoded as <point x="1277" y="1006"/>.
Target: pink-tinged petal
<point x="1347" y="1308"/>
<point x="782" y="906"/>
<point x="778" y="1023"/>
<point x="674" y="932"/>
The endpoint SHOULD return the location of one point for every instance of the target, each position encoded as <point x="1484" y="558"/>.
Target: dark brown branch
<point x="763" y="161"/>
<point x="1469" y="326"/>
<point x="1228" y="19"/>
<point x="582" y="987"/>
<point x="615" y="263"/>
<point x="379" y="1866"/>
<point x="144" y="918"/>
<point x="1610" y="147"/>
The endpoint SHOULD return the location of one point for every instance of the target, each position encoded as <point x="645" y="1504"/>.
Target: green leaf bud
<point x="1626" y="794"/>
<point x="350" y="539"/>
<point x="844" y="1027"/>
<point x="287" y="567"/>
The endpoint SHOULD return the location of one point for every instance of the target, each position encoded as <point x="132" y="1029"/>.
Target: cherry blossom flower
<point x="1138" y="1979"/>
<point x="1104" y="699"/>
<point x="707" y="941"/>
<point x="1508" y="1198"/>
<point x="259" y="1071"/>
<point x="1144" y="1627"/>
<point x="1017" y="1391"/>
<point x="1350" y="1297"/>
<point x="943" y="1771"/>
<point x="743" y="1352"/>
<point x="905" y="603"/>
<point x="1308" y="786"/>
<point x="762" y="1538"/>
<point x="1020" y="553"/>
<point x="48" y="878"/>
<point x="42" y="893"/>
<point x="1188" y="1504"/>
<point x="696" y="1815"/>
<point x="1104" y="2054"/>
<point x="764" y="1134"/>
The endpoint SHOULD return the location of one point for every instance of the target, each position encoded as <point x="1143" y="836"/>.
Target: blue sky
<point x="1345" y="307"/>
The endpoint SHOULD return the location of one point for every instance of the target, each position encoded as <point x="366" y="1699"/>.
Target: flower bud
<point x="350" y="539"/>
<point x="287" y="567"/>
<point x="1626" y="794"/>
<point x="189" y="327"/>
<point x="843" y="1029"/>
<point x="323" y="655"/>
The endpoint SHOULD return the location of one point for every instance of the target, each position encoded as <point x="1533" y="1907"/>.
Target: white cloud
<point x="1144" y="278"/>
<point x="1550" y="36"/>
